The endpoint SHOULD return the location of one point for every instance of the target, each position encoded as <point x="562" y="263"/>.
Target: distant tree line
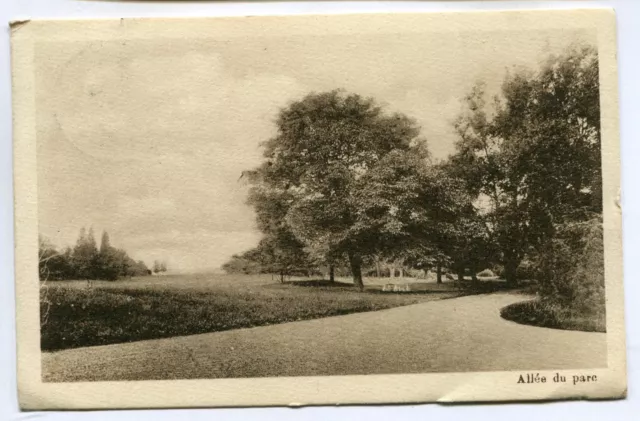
<point x="345" y="184"/>
<point x="159" y="266"/>
<point x="86" y="261"/>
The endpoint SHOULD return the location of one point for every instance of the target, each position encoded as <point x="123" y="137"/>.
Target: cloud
<point x="131" y="206"/>
<point x="153" y="154"/>
<point x="136" y="109"/>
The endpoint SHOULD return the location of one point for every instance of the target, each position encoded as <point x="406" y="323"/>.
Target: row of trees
<point x="159" y="266"/>
<point x="86" y="261"/>
<point x="344" y="182"/>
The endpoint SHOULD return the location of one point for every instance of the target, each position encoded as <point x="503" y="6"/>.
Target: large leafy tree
<point x="411" y="211"/>
<point x="533" y="158"/>
<point x="245" y="263"/>
<point x="280" y="255"/>
<point x="325" y="145"/>
<point x="279" y="251"/>
<point x="85" y="261"/>
<point x="107" y="261"/>
<point x="553" y="121"/>
<point x="85" y="255"/>
<point x="53" y="264"/>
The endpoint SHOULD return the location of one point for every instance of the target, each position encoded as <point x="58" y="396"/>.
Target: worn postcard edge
<point x="296" y="391"/>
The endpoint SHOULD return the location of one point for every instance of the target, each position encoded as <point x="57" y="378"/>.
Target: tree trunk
<point x="461" y="275"/>
<point x="474" y="275"/>
<point x="510" y="271"/>
<point x="282" y="277"/>
<point x="377" y="268"/>
<point x="332" y="275"/>
<point x="438" y="272"/>
<point x="356" y="269"/>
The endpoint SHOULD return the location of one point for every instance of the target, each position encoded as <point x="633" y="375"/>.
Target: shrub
<point x="552" y="315"/>
<point x="572" y="268"/>
<point x="527" y="271"/>
<point x="498" y="270"/>
<point x="486" y="273"/>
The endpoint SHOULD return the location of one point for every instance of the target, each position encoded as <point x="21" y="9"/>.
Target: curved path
<point x="461" y="334"/>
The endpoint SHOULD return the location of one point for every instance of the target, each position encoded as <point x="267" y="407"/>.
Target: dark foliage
<point x="534" y="156"/>
<point x="571" y="268"/>
<point x="86" y="261"/>
<point x="551" y="315"/>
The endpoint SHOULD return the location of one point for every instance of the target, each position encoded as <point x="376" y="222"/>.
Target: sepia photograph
<point x="417" y="206"/>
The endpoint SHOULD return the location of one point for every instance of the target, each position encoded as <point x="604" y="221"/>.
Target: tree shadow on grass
<point x="466" y="287"/>
<point x="320" y="283"/>
<point x="486" y="287"/>
<point x="417" y="288"/>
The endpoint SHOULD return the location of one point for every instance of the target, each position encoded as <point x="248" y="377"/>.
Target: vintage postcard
<point x="316" y="210"/>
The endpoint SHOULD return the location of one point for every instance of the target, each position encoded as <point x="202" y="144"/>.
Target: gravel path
<point x="454" y="335"/>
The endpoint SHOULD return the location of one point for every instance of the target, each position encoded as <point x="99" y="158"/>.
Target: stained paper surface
<point x="149" y="129"/>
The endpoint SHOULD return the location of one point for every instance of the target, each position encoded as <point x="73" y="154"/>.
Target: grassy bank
<point x="75" y="316"/>
<point x="553" y="315"/>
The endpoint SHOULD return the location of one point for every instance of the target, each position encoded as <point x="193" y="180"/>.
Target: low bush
<point x="570" y="274"/>
<point x="498" y="270"/>
<point x="527" y="271"/>
<point x="552" y="315"/>
<point x="486" y="273"/>
<point x="572" y="268"/>
<point x="469" y="287"/>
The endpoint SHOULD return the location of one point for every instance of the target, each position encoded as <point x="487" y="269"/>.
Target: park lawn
<point x="73" y="316"/>
<point x="552" y="315"/>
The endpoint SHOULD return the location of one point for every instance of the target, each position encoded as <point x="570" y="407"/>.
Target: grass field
<point x="78" y="313"/>
<point x="547" y="314"/>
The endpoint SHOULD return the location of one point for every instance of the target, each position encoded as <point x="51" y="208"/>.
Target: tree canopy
<point x="345" y="180"/>
<point x="534" y="156"/>
<point x="86" y="261"/>
<point x="327" y="147"/>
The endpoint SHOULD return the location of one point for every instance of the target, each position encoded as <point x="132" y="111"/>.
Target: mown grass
<point x="553" y="315"/>
<point x="74" y="316"/>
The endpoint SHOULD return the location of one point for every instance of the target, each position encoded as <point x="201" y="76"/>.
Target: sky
<point x="147" y="140"/>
